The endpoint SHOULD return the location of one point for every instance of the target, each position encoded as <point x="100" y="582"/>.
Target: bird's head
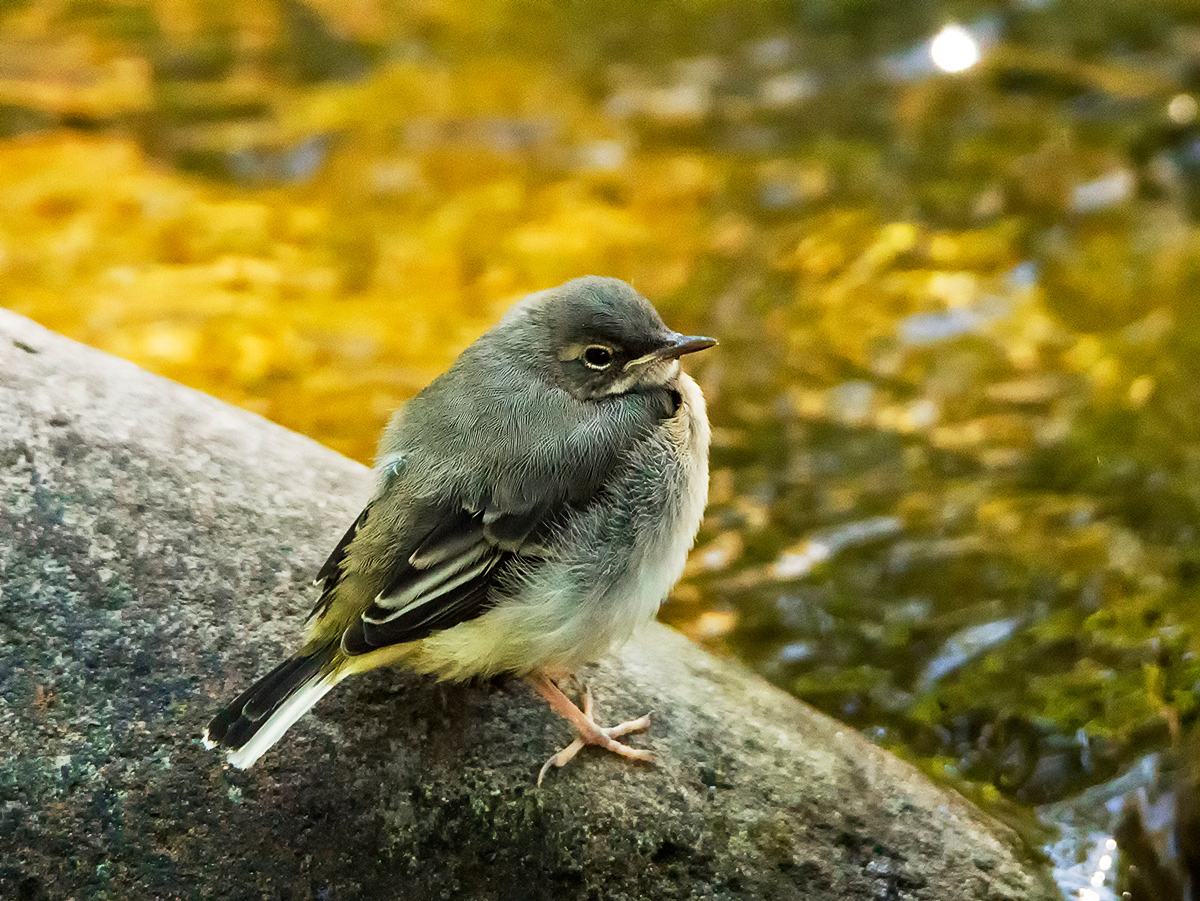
<point x="605" y="339"/>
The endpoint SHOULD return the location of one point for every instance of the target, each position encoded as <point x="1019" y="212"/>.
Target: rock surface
<point x="155" y="551"/>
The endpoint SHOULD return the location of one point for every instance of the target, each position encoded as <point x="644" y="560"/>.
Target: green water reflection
<point x="955" y="494"/>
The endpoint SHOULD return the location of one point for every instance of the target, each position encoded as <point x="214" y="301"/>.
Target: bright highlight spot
<point x="1098" y="878"/>
<point x="1087" y="894"/>
<point x="953" y="49"/>
<point x="1105" y="862"/>
<point x="1183" y="109"/>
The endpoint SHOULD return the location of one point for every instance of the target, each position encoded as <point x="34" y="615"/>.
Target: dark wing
<point x="331" y="572"/>
<point x="448" y="578"/>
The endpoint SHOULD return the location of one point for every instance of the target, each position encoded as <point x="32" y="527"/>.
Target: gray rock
<point x="155" y="552"/>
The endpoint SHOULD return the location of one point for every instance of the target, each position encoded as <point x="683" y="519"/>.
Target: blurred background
<point x="950" y="250"/>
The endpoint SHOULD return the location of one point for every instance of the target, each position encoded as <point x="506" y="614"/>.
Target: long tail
<point x="258" y="717"/>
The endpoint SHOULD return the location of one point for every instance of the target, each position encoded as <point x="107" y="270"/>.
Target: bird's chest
<point x="671" y="500"/>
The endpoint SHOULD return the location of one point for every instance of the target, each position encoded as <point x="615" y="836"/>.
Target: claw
<point x="589" y="732"/>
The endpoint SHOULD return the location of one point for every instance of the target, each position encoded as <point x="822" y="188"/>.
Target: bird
<point x="532" y="506"/>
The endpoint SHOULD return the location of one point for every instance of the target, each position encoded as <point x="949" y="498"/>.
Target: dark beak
<point x="684" y="344"/>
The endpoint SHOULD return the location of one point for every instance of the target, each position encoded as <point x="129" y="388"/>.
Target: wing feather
<point x="452" y="537"/>
<point x="449" y="578"/>
<point x="432" y="587"/>
<point x="330" y="573"/>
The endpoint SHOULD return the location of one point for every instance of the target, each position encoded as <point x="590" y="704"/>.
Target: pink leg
<point x="589" y="732"/>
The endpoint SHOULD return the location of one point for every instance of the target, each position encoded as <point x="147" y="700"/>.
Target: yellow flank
<point x="396" y="654"/>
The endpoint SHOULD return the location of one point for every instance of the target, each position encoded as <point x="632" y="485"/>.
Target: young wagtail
<point x="533" y="505"/>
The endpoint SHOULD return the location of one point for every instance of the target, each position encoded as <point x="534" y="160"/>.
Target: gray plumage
<point x="533" y="504"/>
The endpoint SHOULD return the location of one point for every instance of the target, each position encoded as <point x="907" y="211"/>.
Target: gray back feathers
<point x="501" y="427"/>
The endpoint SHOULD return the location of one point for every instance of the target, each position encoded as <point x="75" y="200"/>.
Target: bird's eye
<point x="597" y="356"/>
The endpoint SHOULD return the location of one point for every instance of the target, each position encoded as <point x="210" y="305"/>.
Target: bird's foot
<point x="589" y="732"/>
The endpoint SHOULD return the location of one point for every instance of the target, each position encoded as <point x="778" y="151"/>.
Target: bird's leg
<point x="589" y="732"/>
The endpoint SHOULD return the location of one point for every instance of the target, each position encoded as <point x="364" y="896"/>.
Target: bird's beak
<point x="684" y="344"/>
<point x="673" y="350"/>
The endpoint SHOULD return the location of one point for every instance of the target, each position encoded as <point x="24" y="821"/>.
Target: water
<point x="956" y="447"/>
